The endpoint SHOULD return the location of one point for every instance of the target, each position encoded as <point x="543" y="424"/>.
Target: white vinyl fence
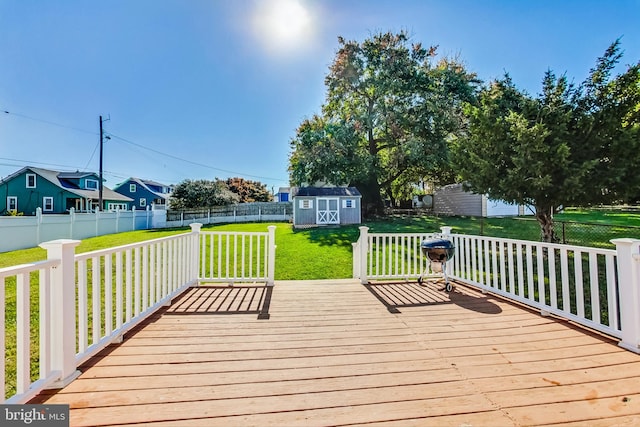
<point x="597" y="288"/>
<point x="76" y="305"/>
<point x="21" y="232"/>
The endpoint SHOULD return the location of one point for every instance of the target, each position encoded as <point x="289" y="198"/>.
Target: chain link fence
<point x="596" y="235"/>
<point x="593" y="234"/>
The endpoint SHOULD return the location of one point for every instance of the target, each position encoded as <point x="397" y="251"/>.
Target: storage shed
<point x="454" y="200"/>
<point x="326" y="205"/>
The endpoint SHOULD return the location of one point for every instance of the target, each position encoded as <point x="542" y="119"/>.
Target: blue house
<point x="283" y="194"/>
<point x="144" y="192"/>
<point x="56" y="192"/>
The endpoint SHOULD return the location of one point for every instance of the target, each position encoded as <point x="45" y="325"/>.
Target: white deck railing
<point x="576" y="283"/>
<point x="87" y="301"/>
<point x="237" y="256"/>
<point x="17" y="346"/>
<point x="597" y="288"/>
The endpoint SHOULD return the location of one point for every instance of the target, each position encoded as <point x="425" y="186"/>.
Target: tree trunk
<point x="372" y="204"/>
<point x="544" y="215"/>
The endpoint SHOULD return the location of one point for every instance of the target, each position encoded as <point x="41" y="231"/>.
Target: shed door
<point x="328" y="211"/>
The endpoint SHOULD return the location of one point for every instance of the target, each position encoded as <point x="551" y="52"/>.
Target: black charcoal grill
<point x="439" y="251"/>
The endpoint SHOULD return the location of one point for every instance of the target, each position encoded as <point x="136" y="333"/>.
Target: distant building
<point x="144" y="192"/>
<point x="56" y="192"/>
<point x="455" y="201"/>
<point x="283" y="194"/>
<point x="326" y="206"/>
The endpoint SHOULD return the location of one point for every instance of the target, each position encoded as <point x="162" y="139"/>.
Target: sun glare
<point x="282" y="25"/>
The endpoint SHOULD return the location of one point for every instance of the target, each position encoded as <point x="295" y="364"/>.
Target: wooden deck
<point x="340" y="353"/>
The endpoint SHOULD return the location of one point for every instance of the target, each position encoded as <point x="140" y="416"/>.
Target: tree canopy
<point x="570" y="145"/>
<point x="387" y="119"/>
<point x="202" y="193"/>
<point x="249" y="191"/>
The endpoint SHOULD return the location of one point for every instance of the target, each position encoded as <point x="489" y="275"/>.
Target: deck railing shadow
<point x="405" y="294"/>
<point x="224" y="300"/>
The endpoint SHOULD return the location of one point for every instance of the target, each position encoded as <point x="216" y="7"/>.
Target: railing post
<point x="355" y="250"/>
<point x="271" y="260"/>
<point x="446" y="233"/>
<point x="364" y="248"/>
<point x="195" y="251"/>
<point x="72" y="220"/>
<point x="63" y="310"/>
<point x="628" y="258"/>
<point x="38" y="224"/>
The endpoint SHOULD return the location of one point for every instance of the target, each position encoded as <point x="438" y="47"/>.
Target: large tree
<point x="387" y="119"/>
<point x="249" y="191"/>
<point x="570" y="145"/>
<point x="202" y="193"/>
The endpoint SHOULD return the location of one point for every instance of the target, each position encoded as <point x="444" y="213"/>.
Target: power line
<point x="24" y="116"/>
<point x="192" y="162"/>
<point x="137" y="145"/>
<point x="91" y="158"/>
<point x="37" y="163"/>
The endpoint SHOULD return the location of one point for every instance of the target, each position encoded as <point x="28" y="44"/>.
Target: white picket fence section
<point x="87" y="301"/>
<point x="597" y="288"/>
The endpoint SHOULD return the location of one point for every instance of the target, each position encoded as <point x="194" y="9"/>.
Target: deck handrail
<point x="90" y="300"/>
<point x="21" y="275"/>
<point x="235" y="256"/>
<point x="594" y="287"/>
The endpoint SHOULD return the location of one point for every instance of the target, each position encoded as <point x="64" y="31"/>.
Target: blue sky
<point x="205" y="89"/>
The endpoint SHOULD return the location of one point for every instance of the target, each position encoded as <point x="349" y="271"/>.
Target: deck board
<point x="340" y="353"/>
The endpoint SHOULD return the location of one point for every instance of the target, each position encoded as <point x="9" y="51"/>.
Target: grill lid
<point x="436" y="244"/>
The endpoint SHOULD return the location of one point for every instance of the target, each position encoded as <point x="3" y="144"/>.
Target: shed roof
<point x="328" y="191"/>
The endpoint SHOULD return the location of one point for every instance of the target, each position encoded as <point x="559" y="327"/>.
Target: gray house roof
<point x="60" y="179"/>
<point x="145" y="183"/>
<point x="327" y="191"/>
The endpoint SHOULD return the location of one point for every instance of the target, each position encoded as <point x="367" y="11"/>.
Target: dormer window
<point x="31" y="180"/>
<point x="91" y="184"/>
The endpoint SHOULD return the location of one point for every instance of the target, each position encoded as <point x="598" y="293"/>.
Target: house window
<point x="116" y="207"/>
<point x="91" y="184"/>
<point x="143" y="202"/>
<point x="306" y="204"/>
<point x="132" y="188"/>
<point x="47" y="204"/>
<point x="348" y="203"/>
<point x="12" y="203"/>
<point x="31" y="180"/>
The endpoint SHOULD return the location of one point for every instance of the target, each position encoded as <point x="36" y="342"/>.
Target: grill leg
<point x="447" y="285"/>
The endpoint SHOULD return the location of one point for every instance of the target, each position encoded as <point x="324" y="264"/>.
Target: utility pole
<point x="100" y="183"/>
